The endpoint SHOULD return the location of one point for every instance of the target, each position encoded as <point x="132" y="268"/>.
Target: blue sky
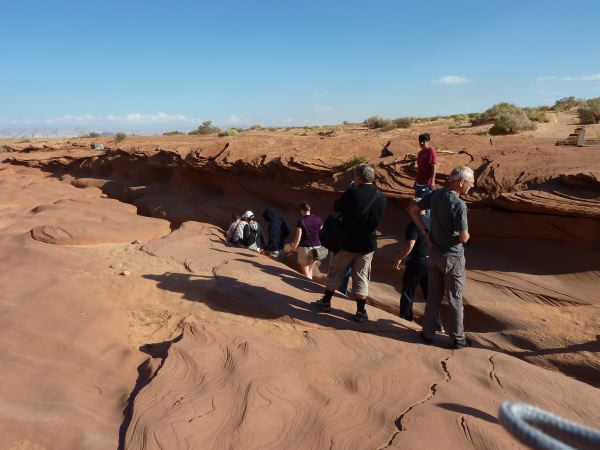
<point x="150" y="66"/>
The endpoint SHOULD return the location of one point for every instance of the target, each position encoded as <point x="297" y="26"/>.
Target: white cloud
<point x="234" y="120"/>
<point x="131" y="117"/>
<point x="452" y="79"/>
<point x="160" y="117"/>
<point x="322" y="108"/>
<point x="593" y="77"/>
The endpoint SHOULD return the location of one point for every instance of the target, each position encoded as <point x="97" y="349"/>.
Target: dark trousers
<point x="416" y="273"/>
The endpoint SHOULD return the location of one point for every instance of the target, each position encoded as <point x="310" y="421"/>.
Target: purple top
<point x="313" y="224"/>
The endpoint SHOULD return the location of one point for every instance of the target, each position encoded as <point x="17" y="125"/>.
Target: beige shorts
<point x="361" y="271"/>
<point x="305" y="256"/>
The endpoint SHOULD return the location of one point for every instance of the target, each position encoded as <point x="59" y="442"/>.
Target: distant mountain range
<point x="21" y="133"/>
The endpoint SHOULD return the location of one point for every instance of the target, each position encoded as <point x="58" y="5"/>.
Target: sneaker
<point x="457" y="345"/>
<point x="323" y="305"/>
<point x="427" y="340"/>
<point x="361" y="316"/>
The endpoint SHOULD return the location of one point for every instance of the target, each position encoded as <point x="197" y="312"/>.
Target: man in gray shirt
<point x="449" y="232"/>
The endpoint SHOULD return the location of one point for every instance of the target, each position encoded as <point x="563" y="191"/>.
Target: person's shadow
<point x="228" y="294"/>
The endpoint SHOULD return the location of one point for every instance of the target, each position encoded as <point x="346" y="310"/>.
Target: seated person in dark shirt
<point x="278" y="233"/>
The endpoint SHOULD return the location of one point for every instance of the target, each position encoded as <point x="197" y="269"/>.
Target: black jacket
<point x="278" y="231"/>
<point x="360" y="238"/>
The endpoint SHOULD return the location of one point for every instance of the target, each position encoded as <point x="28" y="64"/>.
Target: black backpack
<point x="249" y="236"/>
<point x="333" y="233"/>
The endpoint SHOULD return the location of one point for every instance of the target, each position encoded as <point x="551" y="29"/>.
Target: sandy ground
<point x="128" y="331"/>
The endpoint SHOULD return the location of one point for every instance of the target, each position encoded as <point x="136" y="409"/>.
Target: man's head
<point x="248" y="216"/>
<point x="461" y="179"/>
<point x="363" y="173"/>
<point x="424" y="140"/>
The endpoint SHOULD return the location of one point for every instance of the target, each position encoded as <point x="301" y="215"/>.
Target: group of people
<point x="246" y="232"/>
<point x="433" y="251"/>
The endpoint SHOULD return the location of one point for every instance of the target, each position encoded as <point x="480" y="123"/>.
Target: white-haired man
<point x="447" y="236"/>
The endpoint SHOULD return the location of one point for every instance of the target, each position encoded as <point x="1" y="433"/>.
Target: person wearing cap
<point x="252" y="235"/>
<point x="426" y="164"/>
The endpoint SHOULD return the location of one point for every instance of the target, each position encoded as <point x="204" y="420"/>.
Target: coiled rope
<point x="542" y="430"/>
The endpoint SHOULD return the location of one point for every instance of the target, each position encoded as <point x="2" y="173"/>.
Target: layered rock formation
<point x="179" y="341"/>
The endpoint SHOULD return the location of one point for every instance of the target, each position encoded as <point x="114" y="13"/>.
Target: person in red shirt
<point x="426" y="162"/>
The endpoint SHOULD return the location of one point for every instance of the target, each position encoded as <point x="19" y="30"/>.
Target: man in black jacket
<point x="278" y="232"/>
<point x="361" y="207"/>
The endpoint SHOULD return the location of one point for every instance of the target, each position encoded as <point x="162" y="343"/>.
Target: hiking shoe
<point x="425" y="339"/>
<point x="323" y="305"/>
<point x="457" y="345"/>
<point x="361" y="316"/>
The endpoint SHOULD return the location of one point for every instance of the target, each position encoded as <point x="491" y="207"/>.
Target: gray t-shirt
<point x="448" y="218"/>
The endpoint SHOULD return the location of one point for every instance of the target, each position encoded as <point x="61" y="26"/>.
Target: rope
<point x="542" y="430"/>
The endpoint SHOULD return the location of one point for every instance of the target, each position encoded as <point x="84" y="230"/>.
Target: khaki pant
<point x="361" y="271"/>
<point x="446" y="277"/>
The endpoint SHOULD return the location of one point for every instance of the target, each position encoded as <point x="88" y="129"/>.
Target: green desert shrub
<point x="506" y="117"/>
<point x="536" y="114"/>
<point x="205" y="128"/>
<point x="354" y="161"/>
<point x="403" y="122"/>
<point x="567" y="103"/>
<point x="172" y="133"/>
<point x="512" y="122"/>
<point x="378" y="122"/>
<point x="119" y="137"/>
<point x="229" y="132"/>
<point x="590" y="113"/>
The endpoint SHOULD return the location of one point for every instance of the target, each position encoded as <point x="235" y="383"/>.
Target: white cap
<point x="248" y="215"/>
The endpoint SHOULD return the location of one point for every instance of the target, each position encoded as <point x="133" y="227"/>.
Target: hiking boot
<point x="457" y="345"/>
<point x="323" y="305"/>
<point x="361" y="316"/>
<point x="427" y="340"/>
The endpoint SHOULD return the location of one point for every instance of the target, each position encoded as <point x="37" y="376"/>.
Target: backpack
<point x="249" y="236"/>
<point x="333" y="233"/>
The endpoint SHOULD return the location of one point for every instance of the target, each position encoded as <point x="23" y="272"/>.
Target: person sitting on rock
<point x="253" y="237"/>
<point x="231" y="236"/>
<point x="278" y="233"/>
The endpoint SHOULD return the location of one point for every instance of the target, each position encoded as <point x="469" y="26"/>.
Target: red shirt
<point x="425" y="160"/>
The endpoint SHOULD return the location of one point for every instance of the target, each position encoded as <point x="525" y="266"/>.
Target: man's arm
<point x="415" y="214"/>
<point x="406" y="249"/>
<point x="433" y="172"/>
<point x="296" y="241"/>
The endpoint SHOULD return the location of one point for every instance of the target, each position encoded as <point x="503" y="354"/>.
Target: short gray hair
<point x="365" y="172"/>
<point x="461" y="173"/>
